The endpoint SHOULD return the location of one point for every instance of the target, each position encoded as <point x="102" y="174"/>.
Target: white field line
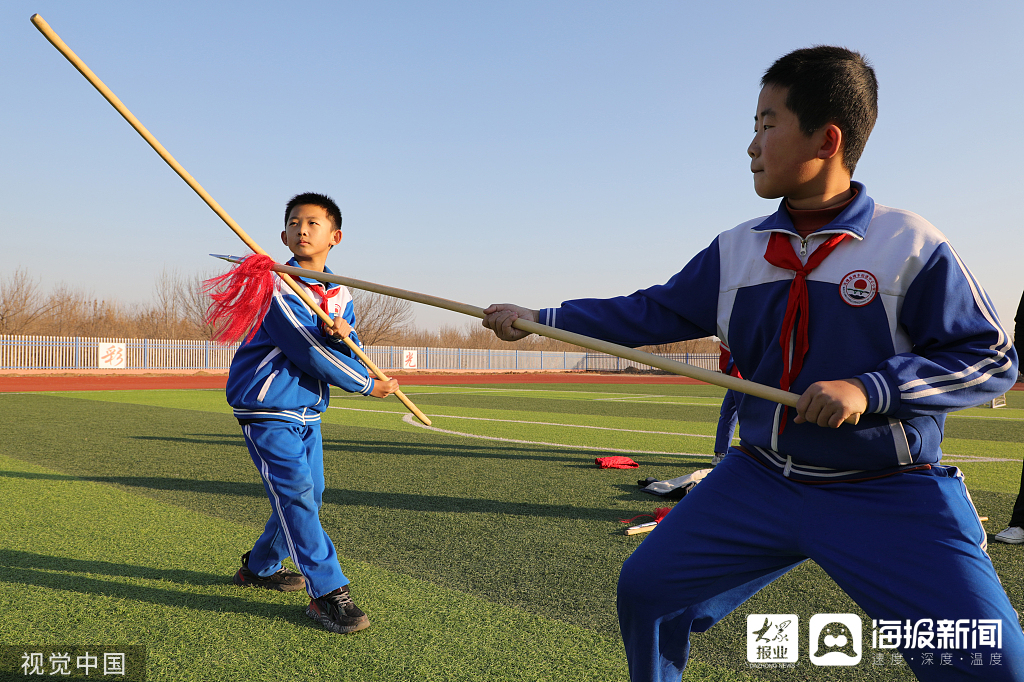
<point x="570" y="426"/>
<point x="409" y="419"/>
<point x="973" y="458"/>
<point x="971" y="416"/>
<point x="651" y="402"/>
<point x="468" y="390"/>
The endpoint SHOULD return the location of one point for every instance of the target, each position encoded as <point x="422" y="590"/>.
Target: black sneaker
<point x="337" y="612"/>
<point x="282" y="581"/>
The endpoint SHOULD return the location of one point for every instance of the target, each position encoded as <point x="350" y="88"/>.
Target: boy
<point x="860" y="309"/>
<point x="279" y="384"/>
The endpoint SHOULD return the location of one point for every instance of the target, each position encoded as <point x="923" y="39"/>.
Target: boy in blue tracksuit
<point x="279" y="385"/>
<point x="862" y="310"/>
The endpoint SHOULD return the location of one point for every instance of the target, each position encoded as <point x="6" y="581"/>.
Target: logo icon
<point x="835" y="639"/>
<point x="772" y="638"/>
<point x="858" y="288"/>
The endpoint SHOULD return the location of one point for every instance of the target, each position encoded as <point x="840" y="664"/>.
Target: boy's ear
<point x="335" y="237"/>
<point x="832" y="142"/>
<point x="284" y="237"/>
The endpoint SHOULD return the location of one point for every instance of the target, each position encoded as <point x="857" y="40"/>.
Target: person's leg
<point x="313" y="442"/>
<point x="724" y="541"/>
<point x="911" y="548"/>
<point x="283" y="452"/>
<point x="726" y="423"/>
<point x="1017" y="518"/>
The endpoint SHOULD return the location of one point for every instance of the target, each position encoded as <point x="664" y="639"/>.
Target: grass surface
<point x="476" y="558"/>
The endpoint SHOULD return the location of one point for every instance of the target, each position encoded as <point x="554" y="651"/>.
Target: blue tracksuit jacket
<point x="286" y="370"/>
<point x="894" y="306"/>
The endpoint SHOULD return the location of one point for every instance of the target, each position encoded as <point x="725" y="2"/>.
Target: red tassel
<point x="658" y="515"/>
<point x="242" y="300"/>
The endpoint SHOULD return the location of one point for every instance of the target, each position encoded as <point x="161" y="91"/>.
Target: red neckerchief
<point x="325" y="296"/>
<point x="780" y="254"/>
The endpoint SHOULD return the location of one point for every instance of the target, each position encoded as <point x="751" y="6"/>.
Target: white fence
<point x="71" y="352"/>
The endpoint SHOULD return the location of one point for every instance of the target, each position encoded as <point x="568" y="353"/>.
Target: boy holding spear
<point x="862" y="310"/>
<point x="279" y="384"/>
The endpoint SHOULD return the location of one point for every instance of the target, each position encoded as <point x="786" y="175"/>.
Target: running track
<point x="107" y="382"/>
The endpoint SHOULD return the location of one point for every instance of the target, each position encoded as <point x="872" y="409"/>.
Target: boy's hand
<point x="382" y="389"/>
<point x="830" y="403"/>
<point x="500" y="316"/>
<point x="341" y="328"/>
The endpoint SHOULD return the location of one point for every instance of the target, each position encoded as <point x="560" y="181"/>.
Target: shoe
<point x="719" y="456"/>
<point x="337" y="612"/>
<point x="282" y="581"/>
<point x="1014" y="535"/>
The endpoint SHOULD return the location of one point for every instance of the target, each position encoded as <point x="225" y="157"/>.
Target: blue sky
<point x="527" y="152"/>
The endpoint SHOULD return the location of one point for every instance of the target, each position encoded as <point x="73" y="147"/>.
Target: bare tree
<point x="708" y="344"/>
<point x="184" y="303"/>
<point x="66" y="307"/>
<point x="21" y="304"/>
<point x="380" y="320"/>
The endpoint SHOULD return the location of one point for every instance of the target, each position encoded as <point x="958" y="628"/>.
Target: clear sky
<point x="527" y="152"/>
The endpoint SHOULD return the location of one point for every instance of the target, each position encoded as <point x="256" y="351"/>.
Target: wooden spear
<point x="717" y="378"/>
<point x="55" y="40"/>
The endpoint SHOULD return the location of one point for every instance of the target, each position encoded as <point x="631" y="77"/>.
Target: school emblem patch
<point x="858" y="288"/>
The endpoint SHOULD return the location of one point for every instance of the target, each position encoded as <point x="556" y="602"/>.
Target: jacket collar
<point x="326" y="286"/>
<point x="853" y="220"/>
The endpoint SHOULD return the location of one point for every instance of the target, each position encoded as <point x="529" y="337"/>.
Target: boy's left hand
<point x="341" y="328"/>
<point x="830" y="403"/>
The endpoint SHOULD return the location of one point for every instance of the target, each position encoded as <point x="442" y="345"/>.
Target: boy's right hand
<point x="382" y="389"/>
<point x="500" y="316"/>
<point x="340" y="329"/>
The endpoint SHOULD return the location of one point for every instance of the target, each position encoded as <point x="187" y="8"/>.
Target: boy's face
<point x="309" y="232"/>
<point x="783" y="159"/>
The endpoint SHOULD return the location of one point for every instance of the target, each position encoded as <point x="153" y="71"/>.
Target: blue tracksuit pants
<point x="727" y="419"/>
<point x="290" y="459"/>
<point x="908" y="546"/>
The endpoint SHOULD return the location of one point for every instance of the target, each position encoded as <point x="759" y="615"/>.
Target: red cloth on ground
<point x="616" y="462"/>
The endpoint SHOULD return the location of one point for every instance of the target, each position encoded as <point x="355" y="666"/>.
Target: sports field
<point x="485" y="548"/>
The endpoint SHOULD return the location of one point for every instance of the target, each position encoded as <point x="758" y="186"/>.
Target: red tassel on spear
<point x="241" y="298"/>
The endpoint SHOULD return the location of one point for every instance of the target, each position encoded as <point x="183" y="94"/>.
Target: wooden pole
<point x="776" y="395"/>
<point x="55" y="40"/>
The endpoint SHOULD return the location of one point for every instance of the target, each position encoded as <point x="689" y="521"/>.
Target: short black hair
<point x="829" y="84"/>
<point x="314" y="199"/>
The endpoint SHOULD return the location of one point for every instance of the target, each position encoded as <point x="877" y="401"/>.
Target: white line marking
<point x="466" y="390"/>
<point x="650" y="402"/>
<point x="518" y="421"/>
<point x="409" y="419"/>
<point x="971" y="416"/>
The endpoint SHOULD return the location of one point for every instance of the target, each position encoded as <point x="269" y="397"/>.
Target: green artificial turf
<point x="476" y="559"/>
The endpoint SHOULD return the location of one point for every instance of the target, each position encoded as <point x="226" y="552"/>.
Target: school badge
<point x="858" y="288"/>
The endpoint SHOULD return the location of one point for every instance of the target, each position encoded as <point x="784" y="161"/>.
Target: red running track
<point x="114" y="382"/>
